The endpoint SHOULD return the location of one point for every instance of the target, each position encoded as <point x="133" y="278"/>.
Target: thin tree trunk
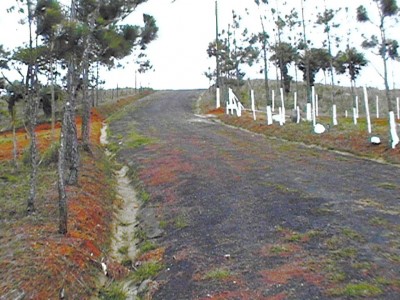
<point x="33" y="150"/>
<point x="33" y="105"/>
<point x="97" y="84"/>
<point x="34" y="163"/>
<point x="53" y="100"/>
<point x="71" y="145"/>
<point x="12" y="111"/>
<point x="86" y="108"/>
<point x="86" y="99"/>
<point x="387" y="89"/>
<point x="71" y="152"/>
<point x="62" y="202"/>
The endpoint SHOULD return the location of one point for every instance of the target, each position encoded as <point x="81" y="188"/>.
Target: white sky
<point x="187" y="26"/>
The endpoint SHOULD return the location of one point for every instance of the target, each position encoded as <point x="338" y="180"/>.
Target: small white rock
<point x="375" y="140"/>
<point x="319" y="128"/>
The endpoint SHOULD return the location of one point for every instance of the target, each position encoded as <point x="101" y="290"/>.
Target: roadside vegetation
<point x="346" y="136"/>
<point x="36" y="260"/>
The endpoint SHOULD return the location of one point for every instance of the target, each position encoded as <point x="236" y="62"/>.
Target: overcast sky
<point x="187" y="26"/>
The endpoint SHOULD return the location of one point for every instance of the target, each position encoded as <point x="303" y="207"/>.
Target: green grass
<point x="377" y="221"/>
<point x="362" y="289"/>
<point x="112" y="292"/>
<point x="163" y="224"/>
<point x="140" y="234"/>
<point x="135" y="140"/>
<point x="50" y="156"/>
<point x="218" y="274"/>
<point x="144" y="196"/>
<point x="147" y="246"/>
<point x="123" y="250"/>
<point x="278" y="249"/>
<point x="181" y="222"/>
<point x="147" y="270"/>
<point x="345" y="253"/>
<point x="323" y="211"/>
<point x="387" y="186"/>
<point x="295" y="237"/>
<point x="353" y="235"/>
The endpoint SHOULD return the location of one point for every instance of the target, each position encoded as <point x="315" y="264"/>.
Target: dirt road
<point x="245" y="217"/>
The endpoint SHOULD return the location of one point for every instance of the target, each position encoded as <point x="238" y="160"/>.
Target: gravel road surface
<point x="245" y="217"/>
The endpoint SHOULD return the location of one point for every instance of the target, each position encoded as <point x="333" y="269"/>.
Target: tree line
<point x="284" y="41"/>
<point x="65" y="46"/>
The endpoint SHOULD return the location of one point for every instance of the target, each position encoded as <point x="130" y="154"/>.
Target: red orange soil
<point x="42" y="262"/>
<point x="43" y="132"/>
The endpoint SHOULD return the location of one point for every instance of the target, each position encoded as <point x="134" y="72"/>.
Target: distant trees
<point x="350" y="61"/>
<point x="325" y="19"/>
<point x="235" y="48"/>
<point x="283" y="55"/>
<point x="311" y="61"/>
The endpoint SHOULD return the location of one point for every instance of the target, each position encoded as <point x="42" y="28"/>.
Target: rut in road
<point x="245" y="217"/>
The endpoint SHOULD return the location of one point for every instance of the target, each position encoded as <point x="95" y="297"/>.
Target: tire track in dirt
<point x="251" y="218"/>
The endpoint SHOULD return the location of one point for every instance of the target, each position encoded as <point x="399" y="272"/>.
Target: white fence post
<point x="398" y="108"/>
<point x="283" y="112"/>
<point x="367" y="110"/>
<point x="253" y="105"/>
<point x="309" y="114"/>
<point x="218" y="104"/>
<point x="393" y="132"/>
<point x="334" y="114"/>
<point x="377" y="107"/>
<point x="357" y="111"/>
<point x="273" y="100"/>
<point x="269" y="115"/>
<point x="313" y="112"/>
<point x="298" y="114"/>
<point x="355" y="115"/>
<point x="295" y="101"/>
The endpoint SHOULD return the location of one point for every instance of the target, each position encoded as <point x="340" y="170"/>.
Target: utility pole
<point x="218" y="101"/>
